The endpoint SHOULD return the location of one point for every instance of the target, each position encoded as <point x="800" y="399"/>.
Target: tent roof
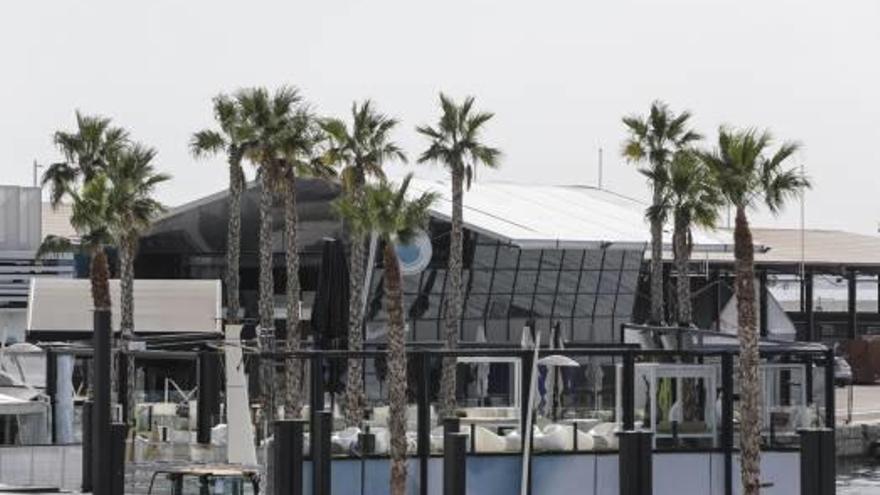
<point x="162" y="306"/>
<point x="546" y="216"/>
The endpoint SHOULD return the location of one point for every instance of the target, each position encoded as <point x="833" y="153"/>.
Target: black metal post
<point x="525" y="385"/>
<point x="727" y="420"/>
<point x="635" y="466"/>
<point x="321" y="453"/>
<point x="287" y="451"/>
<point x="122" y="384"/>
<point x="86" y="432"/>
<point x="716" y="300"/>
<point x="118" y="432"/>
<point x="851" y="309"/>
<point x="52" y="391"/>
<point x="101" y="439"/>
<point x="762" y="307"/>
<point x="817" y="462"/>
<point x="628" y="390"/>
<point x="424" y="419"/>
<point x="455" y="464"/>
<point x="808" y="306"/>
<point x="208" y="395"/>
<point x="829" y="388"/>
<point x="316" y="375"/>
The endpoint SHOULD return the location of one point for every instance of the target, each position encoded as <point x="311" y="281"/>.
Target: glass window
<point x="625" y="304"/>
<point x="633" y="260"/>
<point x="525" y="281"/>
<point x="547" y="282"/>
<point x="552" y="260"/>
<point x="507" y="257"/>
<point x="589" y="282"/>
<point x="411" y="283"/>
<point x="529" y="259"/>
<point x="629" y="281"/>
<point x="543" y="305"/>
<point x="609" y="282"/>
<point x="499" y="305"/>
<point x="568" y="281"/>
<point x="480" y="280"/>
<point x="521" y="306"/>
<point x="476" y="306"/>
<point x="592" y="259"/>
<point x="613" y="259"/>
<point x="503" y="283"/>
<point x="564" y="305"/>
<point x="572" y="259"/>
<point x="484" y="255"/>
<point x="605" y="304"/>
<point x="584" y="305"/>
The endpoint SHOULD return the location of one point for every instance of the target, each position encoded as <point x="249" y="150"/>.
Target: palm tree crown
<point x="387" y="211"/>
<point x="746" y="176"/>
<point x="455" y="141"/>
<point x="364" y="148"/>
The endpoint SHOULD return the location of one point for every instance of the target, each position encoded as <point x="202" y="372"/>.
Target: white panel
<point x="683" y="474"/>
<point x="607" y="474"/>
<point x="175" y="306"/>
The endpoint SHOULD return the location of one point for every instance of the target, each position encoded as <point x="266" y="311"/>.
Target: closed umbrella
<point x="330" y="310"/>
<point x="482" y="369"/>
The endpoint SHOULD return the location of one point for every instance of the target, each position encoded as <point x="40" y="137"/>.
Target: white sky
<point x="559" y="75"/>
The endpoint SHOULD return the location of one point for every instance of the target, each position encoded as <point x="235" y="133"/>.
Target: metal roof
<point x="830" y="248"/>
<point x="549" y="216"/>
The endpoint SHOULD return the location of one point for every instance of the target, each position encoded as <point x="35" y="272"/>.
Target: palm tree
<point x="266" y="118"/>
<point x="360" y="152"/>
<point x="655" y="140"/>
<point x="86" y="153"/>
<point x="694" y="201"/>
<point x="455" y="143"/>
<point x="134" y="179"/>
<point x="300" y="158"/>
<point x="385" y="210"/>
<point x="232" y="139"/>
<point x="746" y="178"/>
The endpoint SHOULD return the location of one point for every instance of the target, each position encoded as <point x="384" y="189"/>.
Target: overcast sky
<point x="558" y="75"/>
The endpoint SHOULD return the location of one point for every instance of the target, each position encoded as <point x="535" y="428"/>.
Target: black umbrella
<point x="330" y="310"/>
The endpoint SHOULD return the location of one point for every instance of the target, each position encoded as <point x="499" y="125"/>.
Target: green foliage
<point x="744" y="174"/>
<point x="455" y="140"/>
<point x="655" y="140"/>
<point x="284" y="137"/>
<point x="361" y="150"/>
<point x="386" y="210"/>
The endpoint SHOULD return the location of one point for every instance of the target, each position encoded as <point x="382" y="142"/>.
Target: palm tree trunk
<point x="750" y="432"/>
<point x="683" y="282"/>
<point x="266" y="296"/>
<point x="233" y="240"/>
<point x="127" y="249"/>
<point x="396" y="370"/>
<point x="657" y="310"/>
<point x="292" y="381"/>
<point x="453" y="296"/>
<point x="354" y="392"/>
<point x="99" y="273"/>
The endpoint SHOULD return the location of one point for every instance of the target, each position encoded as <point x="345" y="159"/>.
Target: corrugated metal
<point x="820" y="247"/>
<point x="166" y="306"/>
<point x="538" y="216"/>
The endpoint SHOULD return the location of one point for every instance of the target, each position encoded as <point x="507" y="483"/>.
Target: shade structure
<point x="330" y="311"/>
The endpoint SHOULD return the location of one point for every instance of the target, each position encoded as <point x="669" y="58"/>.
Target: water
<point x="858" y="476"/>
